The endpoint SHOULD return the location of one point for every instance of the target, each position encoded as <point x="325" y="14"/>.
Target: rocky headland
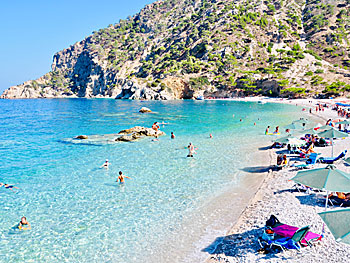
<point x="181" y="49"/>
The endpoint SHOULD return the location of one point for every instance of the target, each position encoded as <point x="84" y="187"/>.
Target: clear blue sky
<point x="32" y="31"/>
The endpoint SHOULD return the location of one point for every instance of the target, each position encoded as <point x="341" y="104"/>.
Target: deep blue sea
<point x="79" y="213"/>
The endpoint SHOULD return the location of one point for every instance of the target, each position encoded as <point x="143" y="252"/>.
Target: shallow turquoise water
<point x="77" y="211"/>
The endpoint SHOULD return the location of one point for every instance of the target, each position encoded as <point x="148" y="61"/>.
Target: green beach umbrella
<point x="308" y="131"/>
<point x="301" y="121"/>
<point x="293" y="126"/>
<point x="338" y="222"/>
<point x="343" y="122"/>
<point x="324" y="127"/>
<point x="329" y="178"/>
<point x="284" y="139"/>
<point x="333" y="133"/>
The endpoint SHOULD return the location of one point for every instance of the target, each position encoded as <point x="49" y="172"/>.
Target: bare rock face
<point x="144" y="110"/>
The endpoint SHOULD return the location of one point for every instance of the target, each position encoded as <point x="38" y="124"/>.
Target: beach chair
<point x="313" y="158"/>
<point x="332" y="160"/>
<point x="293" y="242"/>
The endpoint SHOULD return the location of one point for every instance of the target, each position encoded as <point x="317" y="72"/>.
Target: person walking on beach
<point x="105" y="164"/>
<point x="191" y="150"/>
<point x="121" y="178"/>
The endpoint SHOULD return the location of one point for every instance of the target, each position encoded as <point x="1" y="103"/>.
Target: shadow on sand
<point x="257" y="169"/>
<point x="238" y="245"/>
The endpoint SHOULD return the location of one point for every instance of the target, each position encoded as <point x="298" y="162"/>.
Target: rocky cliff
<point x="176" y="49"/>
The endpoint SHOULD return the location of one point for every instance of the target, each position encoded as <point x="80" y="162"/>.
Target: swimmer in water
<point x="277" y="130"/>
<point x="105" y="164"/>
<point x="210" y="136"/>
<point x="191" y="150"/>
<point x="121" y="178"/>
<point x="7" y="186"/>
<point x="24" y="223"/>
<point x="267" y="130"/>
<point x="172" y="136"/>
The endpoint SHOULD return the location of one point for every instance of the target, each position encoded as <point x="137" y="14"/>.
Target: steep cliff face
<point x="176" y="49"/>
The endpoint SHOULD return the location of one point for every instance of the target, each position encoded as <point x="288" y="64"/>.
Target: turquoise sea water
<point x="78" y="212"/>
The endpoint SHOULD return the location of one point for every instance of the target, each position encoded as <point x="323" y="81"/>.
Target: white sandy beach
<point x="276" y="196"/>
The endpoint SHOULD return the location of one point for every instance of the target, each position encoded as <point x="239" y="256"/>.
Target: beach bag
<point x="272" y="221"/>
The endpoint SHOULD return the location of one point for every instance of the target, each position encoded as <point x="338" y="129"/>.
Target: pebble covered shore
<point x="278" y="196"/>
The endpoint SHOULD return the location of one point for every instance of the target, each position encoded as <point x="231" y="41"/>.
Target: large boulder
<point x="82" y="137"/>
<point x="144" y="110"/>
<point x="141" y="131"/>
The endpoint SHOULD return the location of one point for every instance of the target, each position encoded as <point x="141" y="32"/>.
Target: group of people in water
<point x="23" y="224"/>
<point x="277" y="130"/>
<point x="191" y="151"/>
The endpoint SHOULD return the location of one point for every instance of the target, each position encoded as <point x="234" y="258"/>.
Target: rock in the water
<point x="82" y="137"/>
<point x="141" y="131"/>
<point x="127" y="138"/>
<point x="144" y="110"/>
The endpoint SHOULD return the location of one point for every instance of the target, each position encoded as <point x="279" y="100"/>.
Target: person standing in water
<point x="172" y="136"/>
<point x="121" y="178"/>
<point x="210" y="136"/>
<point x="267" y="130"/>
<point x="105" y="164"/>
<point x="191" y="150"/>
<point x="277" y="130"/>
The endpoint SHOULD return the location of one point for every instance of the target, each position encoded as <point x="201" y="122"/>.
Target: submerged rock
<point x="144" y="110"/>
<point x="82" y="137"/>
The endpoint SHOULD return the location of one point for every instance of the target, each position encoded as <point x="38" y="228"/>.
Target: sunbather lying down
<point x="343" y="196"/>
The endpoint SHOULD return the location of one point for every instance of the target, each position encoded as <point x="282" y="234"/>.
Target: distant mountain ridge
<point x="175" y="49"/>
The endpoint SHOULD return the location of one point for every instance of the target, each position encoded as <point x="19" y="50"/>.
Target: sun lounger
<point x="332" y="160"/>
<point x="313" y="158"/>
<point x="289" y="237"/>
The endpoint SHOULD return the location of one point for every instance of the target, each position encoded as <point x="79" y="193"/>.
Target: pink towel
<point x="288" y="231"/>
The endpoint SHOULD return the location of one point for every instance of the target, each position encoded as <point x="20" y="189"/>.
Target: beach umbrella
<point x="338" y="222"/>
<point x="333" y="133"/>
<point x="308" y="131"/>
<point x="284" y="139"/>
<point x="324" y="128"/>
<point x="294" y="126"/>
<point x="344" y="122"/>
<point x="301" y="121"/>
<point x="329" y="178"/>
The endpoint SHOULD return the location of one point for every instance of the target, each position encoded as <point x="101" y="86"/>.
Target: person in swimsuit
<point x="210" y="136"/>
<point x="191" y="150"/>
<point x="121" y="178"/>
<point x="267" y="130"/>
<point x="24" y="223"/>
<point x="155" y="127"/>
<point x="7" y="186"/>
<point x="106" y="164"/>
<point x="277" y="130"/>
<point x="172" y="136"/>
